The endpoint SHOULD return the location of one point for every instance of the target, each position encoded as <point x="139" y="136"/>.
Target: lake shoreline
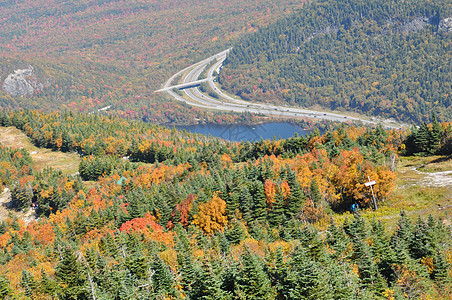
<point x="248" y="132"/>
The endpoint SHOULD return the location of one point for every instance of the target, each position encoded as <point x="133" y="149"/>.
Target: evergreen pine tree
<point x="368" y="271"/>
<point x="47" y="285"/>
<point x="435" y="135"/>
<point x="422" y="242"/>
<point x="422" y="139"/>
<point x="127" y="290"/>
<point x="306" y="279"/>
<point x="296" y="197"/>
<point x="441" y="271"/>
<point x="70" y="273"/>
<point x="135" y="206"/>
<point x="276" y="215"/>
<point x="28" y="283"/>
<point x="162" y="280"/>
<point x="338" y="241"/>
<point x="207" y="285"/>
<point x="279" y="275"/>
<point x="252" y="281"/>
<point x="316" y="197"/>
<point x="246" y="205"/>
<point x="137" y="265"/>
<point x="185" y="259"/>
<point x="237" y="233"/>
<point x="343" y="282"/>
<point x="5" y="289"/>
<point x="3" y="227"/>
<point x="259" y="201"/>
<point x="404" y="229"/>
<point x="381" y="250"/>
<point x="109" y="245"/>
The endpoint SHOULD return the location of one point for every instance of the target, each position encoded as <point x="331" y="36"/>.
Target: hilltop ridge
<point x="382" y="58"/>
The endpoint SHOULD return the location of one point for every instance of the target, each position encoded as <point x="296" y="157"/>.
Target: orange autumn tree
<point x="354" y="171"/>
<point x="149" y="228"/>
<point x="211" y="216"/>
<point x="285" y="189"/>
<point x="184" y="209"/>
<point x="270" y="191"/>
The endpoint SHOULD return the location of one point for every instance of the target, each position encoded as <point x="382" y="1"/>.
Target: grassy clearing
<point x="42" y="158"/>
<point x="426" y="164"/>
<point x="437" y="164"/>
<point x="414" y="193"/>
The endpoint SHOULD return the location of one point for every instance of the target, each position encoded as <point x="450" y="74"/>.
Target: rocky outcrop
<point x="417" y="24"/>
<point x="414" y="25"/>
<point x="445" y="25"/>
<point x="22" y="82"/>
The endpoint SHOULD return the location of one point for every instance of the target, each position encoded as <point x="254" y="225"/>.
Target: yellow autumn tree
<point x="211" y="216"/>
<point x="285" y="189"/>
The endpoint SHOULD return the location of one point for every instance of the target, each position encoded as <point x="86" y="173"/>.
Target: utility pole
<point x="370" y="184"/>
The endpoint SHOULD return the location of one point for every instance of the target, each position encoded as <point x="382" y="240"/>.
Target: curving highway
<point x="225" y="102"/>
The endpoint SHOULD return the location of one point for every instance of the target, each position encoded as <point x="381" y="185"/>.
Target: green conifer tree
<point x="246" y="204"/>
<point x="260" y="202"/>
<point x="185" y="259"/>
<point x="236" y="233"/>
<point x="338" y="241"/>
<point x="435" y="135"/>
<point x="381" y="249"/>
<point x="5" y="289"/>
<point x="162" y="280"/>
<point x="47" y="285"/>
<point x="276" y="215"/>
<point x="422" y="139"/>
<point x="28" y="283"/>
<point x="422" y="242"/>
<point x="207" y="285"/>
<point x="252" y="281"/>
<point x="71" y="275"/>
<point x="306" y="279"/>
<point x="343" y="282"/>
<point x="441" y="271"/>
<point x="296" y="198"/>
<point x="316" y="197"/>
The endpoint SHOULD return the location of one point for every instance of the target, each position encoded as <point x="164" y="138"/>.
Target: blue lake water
<point x="280" y="130"/>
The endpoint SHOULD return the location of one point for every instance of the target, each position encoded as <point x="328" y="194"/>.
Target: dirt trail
<point x="436" y="179"/>
<point x="423" y="187"/>
<point x="42" y="158"/>
<point x="5" y="198"/>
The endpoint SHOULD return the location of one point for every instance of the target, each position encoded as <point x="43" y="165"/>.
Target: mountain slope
<point x="387" y="58"/>
<point x="96" y="53"/>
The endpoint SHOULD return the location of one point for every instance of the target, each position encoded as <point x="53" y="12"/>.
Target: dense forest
<point x="383" y="58"/>
<point x="156" y="213"/>
<point x="95" y="54"/>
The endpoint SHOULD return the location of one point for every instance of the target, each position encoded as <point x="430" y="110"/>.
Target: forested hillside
<point x="383" y="58"/>
<point x="93" y="54"/>
<point x="156" y="213"/>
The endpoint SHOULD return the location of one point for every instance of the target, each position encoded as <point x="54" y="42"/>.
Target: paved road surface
<point x="227" y="103"/>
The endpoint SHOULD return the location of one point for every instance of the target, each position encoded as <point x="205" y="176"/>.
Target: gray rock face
<point x="22" y="82"/>
<point x="414" y="25"/>
<point x="445" y="25"/>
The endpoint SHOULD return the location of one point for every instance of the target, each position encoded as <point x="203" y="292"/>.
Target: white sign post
<point x="370" y="184"/>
